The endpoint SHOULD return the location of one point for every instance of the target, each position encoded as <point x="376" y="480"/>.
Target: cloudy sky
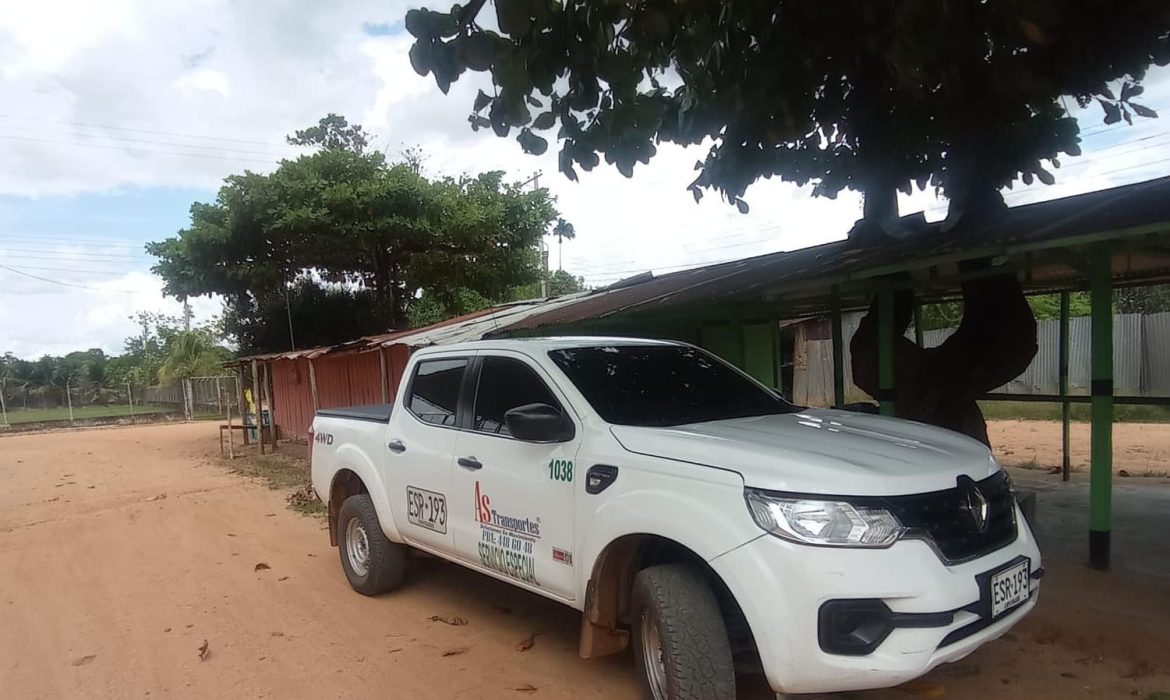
<point x="119" y="114"/>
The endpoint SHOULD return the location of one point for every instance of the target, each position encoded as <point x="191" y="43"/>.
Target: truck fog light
<point x="853" y="627"/>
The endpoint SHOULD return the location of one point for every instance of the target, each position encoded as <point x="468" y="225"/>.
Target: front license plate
<point x="1010" y="588"/>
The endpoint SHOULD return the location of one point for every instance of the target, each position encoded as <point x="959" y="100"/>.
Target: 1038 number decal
<point x="426" y="509"/>
<point x="560" y="470"/>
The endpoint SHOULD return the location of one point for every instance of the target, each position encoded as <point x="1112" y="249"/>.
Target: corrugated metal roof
<point x="803" y="278"/>
<point x="472" y="326"/>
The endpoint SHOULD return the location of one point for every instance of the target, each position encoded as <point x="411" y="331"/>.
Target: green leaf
<point x="741" y="205"/>
<point x="513" y="17"/>
<point x="481" y="100"/>
<point x="533" y="101"/>
<point x="1027" y="177"/>
<point x="531" y="143"/>
<point x="420" y="57"/>
<point x="1143" y="111"/>
<point x="545" y="120"/>
<point x="1073" y="149"/>
<point x="1044" y="176"/>
<point x="476" y="51"/>
<point x="418" y="24"/>
<point x="1112" y="112"/>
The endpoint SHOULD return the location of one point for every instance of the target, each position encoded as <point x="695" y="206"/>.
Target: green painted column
<point x="1062" y="369"/>
<point x="885" y="395"/>
<point x="838" y="351"/>
<point x="1101" y="451"/>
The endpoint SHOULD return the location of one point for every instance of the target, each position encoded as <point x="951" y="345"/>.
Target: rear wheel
<point x="372" y="563"/>
<point x="680" y="641"/>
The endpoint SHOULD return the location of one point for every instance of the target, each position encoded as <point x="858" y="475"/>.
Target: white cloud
<point x="246" y="74"/>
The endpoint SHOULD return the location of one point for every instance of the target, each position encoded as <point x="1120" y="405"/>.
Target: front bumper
<point x="781" y="588"/>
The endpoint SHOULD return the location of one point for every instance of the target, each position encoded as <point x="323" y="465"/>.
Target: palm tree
<point x="563" y="231"/>
<point x="191" y="354"/>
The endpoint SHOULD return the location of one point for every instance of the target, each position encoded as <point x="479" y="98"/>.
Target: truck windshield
<point x="656" y="385"/>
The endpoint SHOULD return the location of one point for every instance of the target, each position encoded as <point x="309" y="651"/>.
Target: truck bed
<point x="375" y="413"/>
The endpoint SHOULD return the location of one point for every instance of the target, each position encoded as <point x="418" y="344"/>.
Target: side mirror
<point x="536" y="422"/>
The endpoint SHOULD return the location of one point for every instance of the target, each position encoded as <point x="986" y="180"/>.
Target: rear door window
<point x="434" y="390"/>
<point x="504" y="384"/>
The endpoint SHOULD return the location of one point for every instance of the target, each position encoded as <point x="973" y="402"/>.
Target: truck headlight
<point x="823" y="522"/>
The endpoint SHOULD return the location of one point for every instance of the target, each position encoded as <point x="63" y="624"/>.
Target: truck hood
<point x="821" y="452"/>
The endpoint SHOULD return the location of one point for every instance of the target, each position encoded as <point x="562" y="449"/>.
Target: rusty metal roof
<point x="799" y="281"/>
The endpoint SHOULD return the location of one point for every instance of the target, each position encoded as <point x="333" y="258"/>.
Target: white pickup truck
<point x="684" y="508"/>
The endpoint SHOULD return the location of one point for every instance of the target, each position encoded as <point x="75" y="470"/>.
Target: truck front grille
<point x="945" y="519"/>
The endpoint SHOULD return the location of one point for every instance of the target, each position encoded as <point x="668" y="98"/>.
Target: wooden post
<point x="267" y="381"/>
<point x="256" y="401"/>
<point x="239" y="373"/>
<point x="3" y="407"/>
<point x="1062" y="365"/>
<point x="69" y="400"/>
<point x="1101" y="430"/>
<point x="885" y="395"/>
<point x="838" y="350"/>
<point x="231" y="438"/>
<point x="130" y="399"/>
<point x="313" y="386"/>
<point x="385" y="376"/>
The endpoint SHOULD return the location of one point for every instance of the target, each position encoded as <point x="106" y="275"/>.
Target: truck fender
<point x="353" y="458"/>
<point x="701" y="525"/>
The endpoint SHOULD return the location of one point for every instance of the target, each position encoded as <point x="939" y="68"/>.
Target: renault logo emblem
<point x="975" y="503"/>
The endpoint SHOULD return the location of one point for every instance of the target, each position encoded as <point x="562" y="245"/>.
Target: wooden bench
<point x="265" y="434"/>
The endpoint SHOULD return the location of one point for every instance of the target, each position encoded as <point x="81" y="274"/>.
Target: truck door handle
<point x="469" y="463"/>
<point x="397" y="446"/>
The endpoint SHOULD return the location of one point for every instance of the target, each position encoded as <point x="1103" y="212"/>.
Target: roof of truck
<point x="545" y="343"/>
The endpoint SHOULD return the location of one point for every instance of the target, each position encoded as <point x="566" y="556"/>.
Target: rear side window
<point x="434" y="390"/>
<point x="504" y="384"/>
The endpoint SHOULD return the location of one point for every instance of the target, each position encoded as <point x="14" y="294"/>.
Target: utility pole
<point x="541" y="247"/>
<point x="186" y="315"/>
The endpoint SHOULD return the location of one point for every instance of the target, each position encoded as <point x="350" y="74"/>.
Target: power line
<point x="62" y="269"/>
<point x="63" y="284"/>
<point x="74" y="252"/>
<point x="141" y="131"/>
<point x="138" y="150"/>
<point x="148" y="141"/>
<point x="71" y="237"/>
<point x="78" y="258"/>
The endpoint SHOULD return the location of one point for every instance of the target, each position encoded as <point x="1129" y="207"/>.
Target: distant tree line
<point x="162" y="353"/>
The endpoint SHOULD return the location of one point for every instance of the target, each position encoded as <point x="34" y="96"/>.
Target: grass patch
<point x="280" y="472"/>
<point x="38" y="415"/>
<point x="1078" y="412"/>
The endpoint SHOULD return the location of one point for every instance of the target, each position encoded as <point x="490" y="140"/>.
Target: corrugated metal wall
<point x="1141" y="359"/>
<point x="342" y="380"/>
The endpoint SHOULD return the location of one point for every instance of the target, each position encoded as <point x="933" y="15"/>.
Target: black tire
<point x="696" y="653"/>
<point x="386" y="560"/>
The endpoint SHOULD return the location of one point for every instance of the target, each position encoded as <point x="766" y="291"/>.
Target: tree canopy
<point x="871" y="96"/>
<point x="342" y="232"/>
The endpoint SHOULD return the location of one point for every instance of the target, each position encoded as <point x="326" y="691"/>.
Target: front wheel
<point x="680" y="641"/>
<point x="372" y="563"/>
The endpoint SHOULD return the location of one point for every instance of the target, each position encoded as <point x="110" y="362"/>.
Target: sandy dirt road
<point x="1141" y="449"/>
<point x="107" y="590"/>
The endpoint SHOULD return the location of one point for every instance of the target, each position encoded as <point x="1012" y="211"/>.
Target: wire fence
<point x="80" y="402"/>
